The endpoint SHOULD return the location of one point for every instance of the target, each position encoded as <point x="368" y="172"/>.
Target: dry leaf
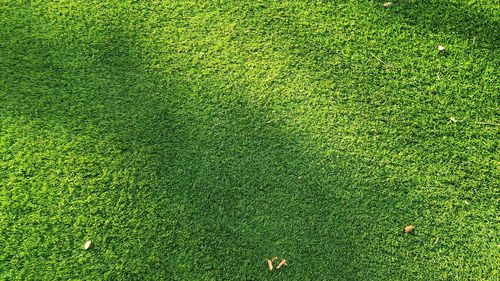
<point x="441" y="48"/>
<point x="282" y="263"/>
<point x="270" y="265"/>
<point x="275" y="258"/>
<point x="408" y="229"/>
<point x="87" y="245"/>
<point x="387" y="4"/>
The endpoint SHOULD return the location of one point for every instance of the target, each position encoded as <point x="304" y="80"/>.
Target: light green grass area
<point x="193" y="140"/>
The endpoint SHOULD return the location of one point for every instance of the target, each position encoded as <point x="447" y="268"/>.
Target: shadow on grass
<point x="200" y="186"/>
<point x="468" y="22"/>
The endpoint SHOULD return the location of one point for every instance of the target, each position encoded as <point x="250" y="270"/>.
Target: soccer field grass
<point x="194" y="140"/>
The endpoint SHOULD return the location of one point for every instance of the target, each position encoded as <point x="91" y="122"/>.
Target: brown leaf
<point x="270" y="265"/>
<point x="408" y="229"/>
<point x="282" y="263"/>
<point x="387" y="4"/>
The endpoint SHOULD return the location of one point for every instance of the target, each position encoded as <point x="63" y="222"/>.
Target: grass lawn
<point x="193" y="140"/>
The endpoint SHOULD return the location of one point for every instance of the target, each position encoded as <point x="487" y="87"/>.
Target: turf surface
<point x="193" y="140"/>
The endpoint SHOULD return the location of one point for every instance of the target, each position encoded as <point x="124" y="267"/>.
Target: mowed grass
<point x="193" y="140"/>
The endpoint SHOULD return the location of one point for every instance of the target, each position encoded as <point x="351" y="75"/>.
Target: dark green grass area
<point x="193" y="140"/>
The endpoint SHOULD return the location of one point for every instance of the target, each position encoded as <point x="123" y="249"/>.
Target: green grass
<point x="193" y="140"/>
